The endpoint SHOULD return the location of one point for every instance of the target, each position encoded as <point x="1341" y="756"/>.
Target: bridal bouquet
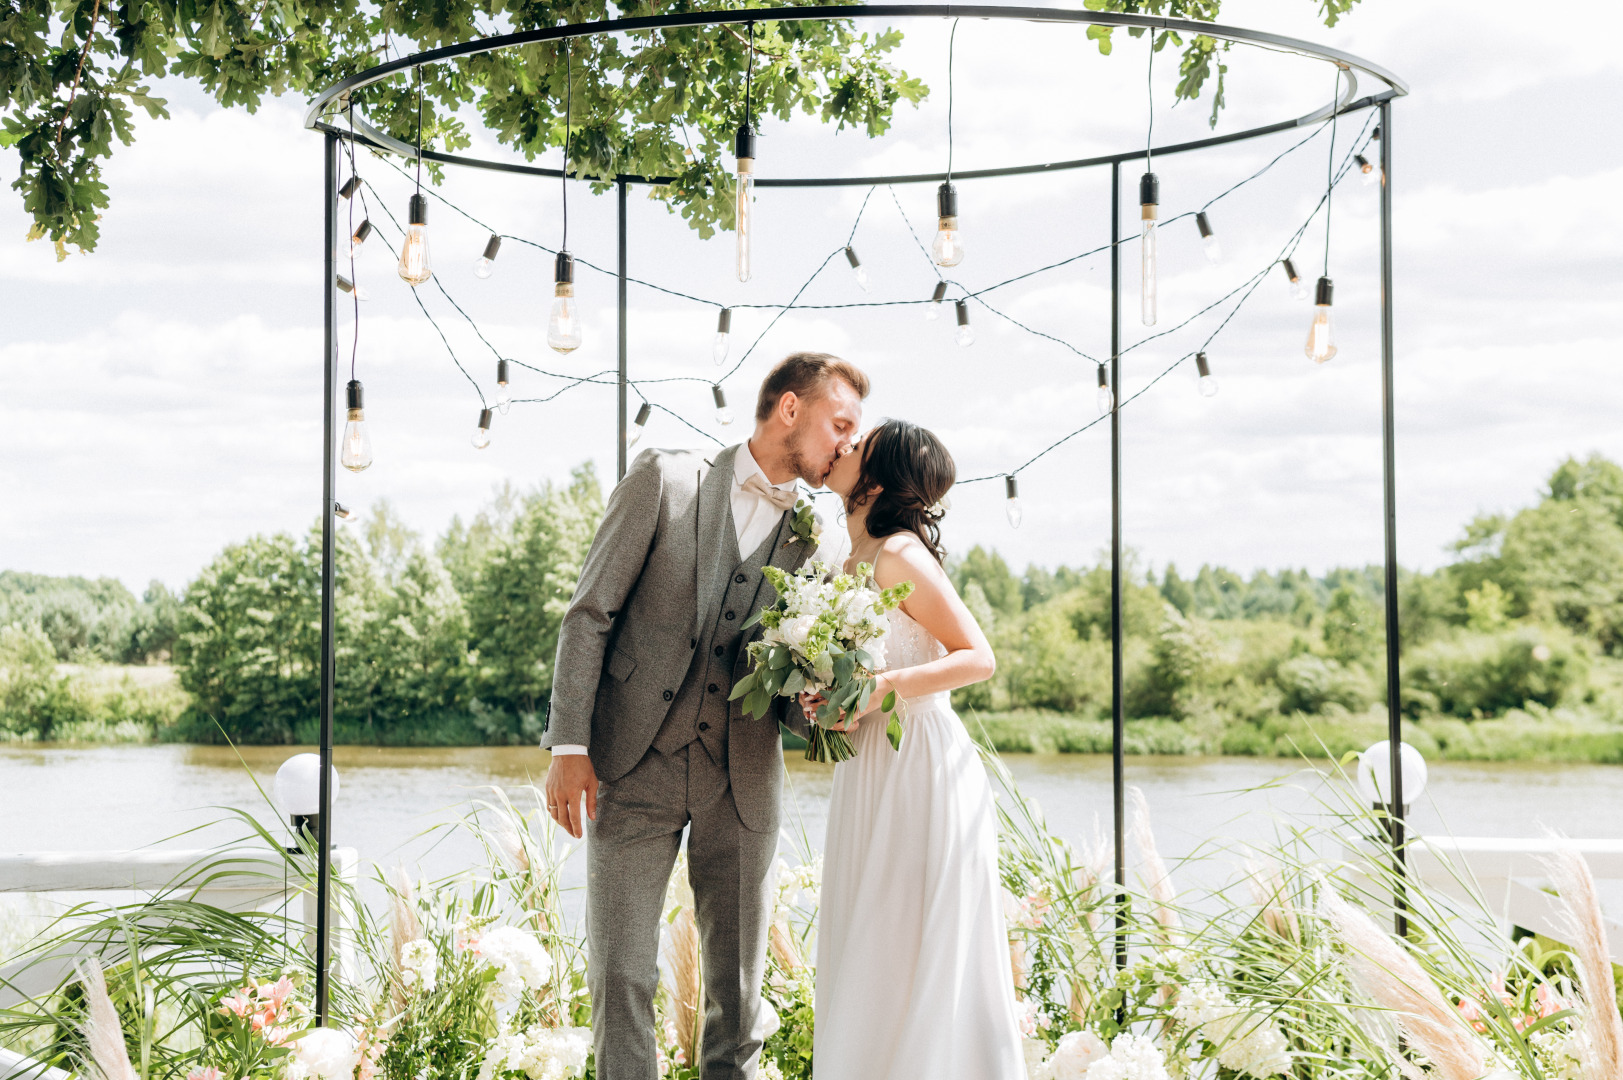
<point x="824" y="635"/>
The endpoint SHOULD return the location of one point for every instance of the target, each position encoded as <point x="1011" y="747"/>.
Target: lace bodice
<point x="909" y="644"/>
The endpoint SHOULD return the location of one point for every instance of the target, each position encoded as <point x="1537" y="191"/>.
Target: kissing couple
<point x="913" y="971"/>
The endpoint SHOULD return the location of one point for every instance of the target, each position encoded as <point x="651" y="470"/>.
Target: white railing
<point x="1510" y="876"/>
<point x="233" y="879"/>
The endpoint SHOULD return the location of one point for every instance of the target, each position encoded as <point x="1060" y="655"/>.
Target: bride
<point x="913" y="971"/>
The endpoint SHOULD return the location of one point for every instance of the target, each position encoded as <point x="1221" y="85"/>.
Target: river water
<point x="103" y="798"/>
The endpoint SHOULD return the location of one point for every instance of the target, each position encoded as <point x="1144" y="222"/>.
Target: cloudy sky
<point x="161" y="398"/>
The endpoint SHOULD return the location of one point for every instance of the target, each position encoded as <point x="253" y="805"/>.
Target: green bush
<point x="1310" y="684"/>
<point x="1476" y="675"/>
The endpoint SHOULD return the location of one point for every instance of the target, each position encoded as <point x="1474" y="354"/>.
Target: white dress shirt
<point x="754" y="518"/>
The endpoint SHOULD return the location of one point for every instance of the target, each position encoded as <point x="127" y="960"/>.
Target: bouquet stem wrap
<point x="825" y="635"/>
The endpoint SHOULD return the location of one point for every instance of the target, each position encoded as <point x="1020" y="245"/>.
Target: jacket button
<point x="721" y="650"/>
<point x="669" y="695"/>
<point x="714" y="688"/>
<point x="741" y="579"/>
<point x="729" y="616"/>
<point x="704" y="727"/>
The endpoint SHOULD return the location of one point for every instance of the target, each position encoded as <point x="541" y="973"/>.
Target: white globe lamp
<point x="297" y="792"/>
<point x="1375" y="774"/>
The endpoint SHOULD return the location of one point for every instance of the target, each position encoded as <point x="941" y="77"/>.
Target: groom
<point x="641" y="731"/>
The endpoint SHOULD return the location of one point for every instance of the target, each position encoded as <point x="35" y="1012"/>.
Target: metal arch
<point x="1351" y="64"/>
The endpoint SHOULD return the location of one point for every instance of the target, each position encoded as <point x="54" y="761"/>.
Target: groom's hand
<point x="569" y="777"/>
<point x="810" y="703"/>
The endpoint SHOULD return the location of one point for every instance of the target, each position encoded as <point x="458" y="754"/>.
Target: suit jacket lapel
<point x="715" y="514"/>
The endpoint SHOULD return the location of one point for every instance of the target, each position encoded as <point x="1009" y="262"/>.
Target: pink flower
<point x="1472" y="1015"/>
<point x="238" y="1004"/>
<point x="209" y="1073"/>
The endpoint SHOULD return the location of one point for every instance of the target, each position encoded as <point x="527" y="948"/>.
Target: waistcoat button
<point x="741" y="579"/>
<point x="730" y="616"/>
<point x="714" y="688"/>
<point x="721" y="650"/>
<point x="669" y="695"/>
<point x="703" y="726"/>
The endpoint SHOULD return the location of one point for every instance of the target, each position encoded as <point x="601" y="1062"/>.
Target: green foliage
<point x="1479" y="675"/>
<point x="72" y="75"/>
<point x="90" y="621"/>
<point x="1352" y="629"/>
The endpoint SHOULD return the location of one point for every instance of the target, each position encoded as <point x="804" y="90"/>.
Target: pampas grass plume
<point x="1601" y="1050"/>
<point x="104" y="1035"/>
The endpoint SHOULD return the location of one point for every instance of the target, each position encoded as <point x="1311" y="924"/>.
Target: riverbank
<point x="134" y="705"/>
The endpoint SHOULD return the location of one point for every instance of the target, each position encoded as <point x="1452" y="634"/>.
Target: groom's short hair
<point x="806" y="375"/>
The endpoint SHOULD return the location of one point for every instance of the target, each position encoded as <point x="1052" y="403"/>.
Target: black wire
<point x="569" y="109"/>
<point x="419" y="130"/>
<point x="354" y="286"/>
<point x="1330" y="168"/>
<point x="749" y="73"/>
<point x="858" y="221"/>
<point x="1149" y="84"/>
<point x="952" y="40"/>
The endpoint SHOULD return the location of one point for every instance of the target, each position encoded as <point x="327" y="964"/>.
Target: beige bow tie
<point x="782" y="498"/>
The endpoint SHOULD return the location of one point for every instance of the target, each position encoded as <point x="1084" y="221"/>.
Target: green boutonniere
<point x="806" y="526"/>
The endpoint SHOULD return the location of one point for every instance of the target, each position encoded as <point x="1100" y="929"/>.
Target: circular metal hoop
<point x="1353" y="65"/>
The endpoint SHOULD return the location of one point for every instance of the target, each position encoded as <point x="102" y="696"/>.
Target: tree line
<point x="452" y="641"/>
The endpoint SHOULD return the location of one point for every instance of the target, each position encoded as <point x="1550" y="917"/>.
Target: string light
<point x="1298" y="286"/>
<point x="1207" y="384"/>
<point x="1321" y="345"/>
<point x="345" y="514"/>
<point x="357" y="291"/>
<point x="966" y="333"/>
<point x="1149" y="198"/>
<point x="724" y="334"/>
<point x="1367" y="168"/>
<point x="724" y="415"/>
<point x="563" y="325"/>
<point x="356" y="454"/>
<point x="1102" y="397"/>
<point x="933" y="312"/>
<point x="349" y="188"/>
<point x="1011" y="502"/>
<point x="948" y="248"/>
<point x="481" y="434"/>
<point x="485" y="265"/>
<point x="856" y="267"/>
<point x="504" y="398"/>
<point x="359" y="237"/>
<point x="744" y="151"/>
<point x="414" y="263"/>
<point x="640" y="425"/>
<point x="1214" y="250"/>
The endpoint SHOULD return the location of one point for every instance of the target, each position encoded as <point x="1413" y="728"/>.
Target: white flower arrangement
<point x="540" y="1053"/>
<point x="419" y="966"/>
<point x="1245" y="1043"/>
<point x="326" y="1053"/>
<point x="824" y="635"/>
<point x="1076" y="1053"/>
<point x="519" y="960"/>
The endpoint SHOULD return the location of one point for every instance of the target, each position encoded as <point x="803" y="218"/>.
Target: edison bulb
<point x="744" y="196"/>
<point x="965" y="335"/>
<point x="1011" y="505"/>
<point x="724" y="415"/>
<point x="481" y="434"/>
<point x="357" y="452"/>
<point x="640" y="426"/>
<point x="948" y="247"/>
<point x="724" y="336"/>
<point x="485" y="264"/>
<point x="1208" y="238"/>
<point x="563" y="325"/>
<point x="1321" y="345"/>
<point x="414" y="264"/>
<point x="1149" y="198"/>
<point x="1103" y="398"/>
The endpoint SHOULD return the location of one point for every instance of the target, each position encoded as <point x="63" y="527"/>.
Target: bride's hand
<point x="810" y="703"/>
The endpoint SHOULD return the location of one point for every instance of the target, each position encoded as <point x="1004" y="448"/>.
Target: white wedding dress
<point x="913" y="974"/>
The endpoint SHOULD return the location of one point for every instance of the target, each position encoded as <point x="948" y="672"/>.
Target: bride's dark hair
<point x="903" y="477"/>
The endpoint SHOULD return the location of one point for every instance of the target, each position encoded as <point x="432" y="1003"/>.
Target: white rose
<point x="324" y="1052"/>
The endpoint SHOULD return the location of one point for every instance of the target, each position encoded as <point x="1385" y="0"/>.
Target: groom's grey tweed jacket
<point x="649" y="591"/>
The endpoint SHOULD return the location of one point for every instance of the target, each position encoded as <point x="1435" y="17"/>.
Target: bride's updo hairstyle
<point x="903" y="478"/>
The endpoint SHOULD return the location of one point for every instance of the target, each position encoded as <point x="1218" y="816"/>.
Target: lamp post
<point x="297" y="791"/>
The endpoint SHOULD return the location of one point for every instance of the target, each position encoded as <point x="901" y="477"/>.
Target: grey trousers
<point x="630" y="850"/>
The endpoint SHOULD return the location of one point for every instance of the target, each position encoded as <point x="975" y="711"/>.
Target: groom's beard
<point x="813" y="472"/>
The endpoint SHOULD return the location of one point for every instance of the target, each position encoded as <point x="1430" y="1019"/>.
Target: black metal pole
<point x="329" y="406"/>
<point x="1394" y="710"/>
<point x="620" y="461"/>
<point x="1117" y="725"/>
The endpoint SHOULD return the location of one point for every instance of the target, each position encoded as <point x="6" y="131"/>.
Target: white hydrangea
<point x="325" y="1053"/>
<point x="1131" y="1057"/>
<point x="1245" y="1043"/>
<point x="540" y="1053"/>
<point x="1561" y="1052"/>
<point x="419" y="965"/>
<point x="519" y="960"/>
<point x="1076" y="1053"/>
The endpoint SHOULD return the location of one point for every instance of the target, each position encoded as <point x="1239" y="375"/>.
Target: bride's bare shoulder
<point x="903" y="557"/>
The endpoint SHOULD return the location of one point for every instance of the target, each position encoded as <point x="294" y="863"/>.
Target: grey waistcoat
<point x="701" y="710"/>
